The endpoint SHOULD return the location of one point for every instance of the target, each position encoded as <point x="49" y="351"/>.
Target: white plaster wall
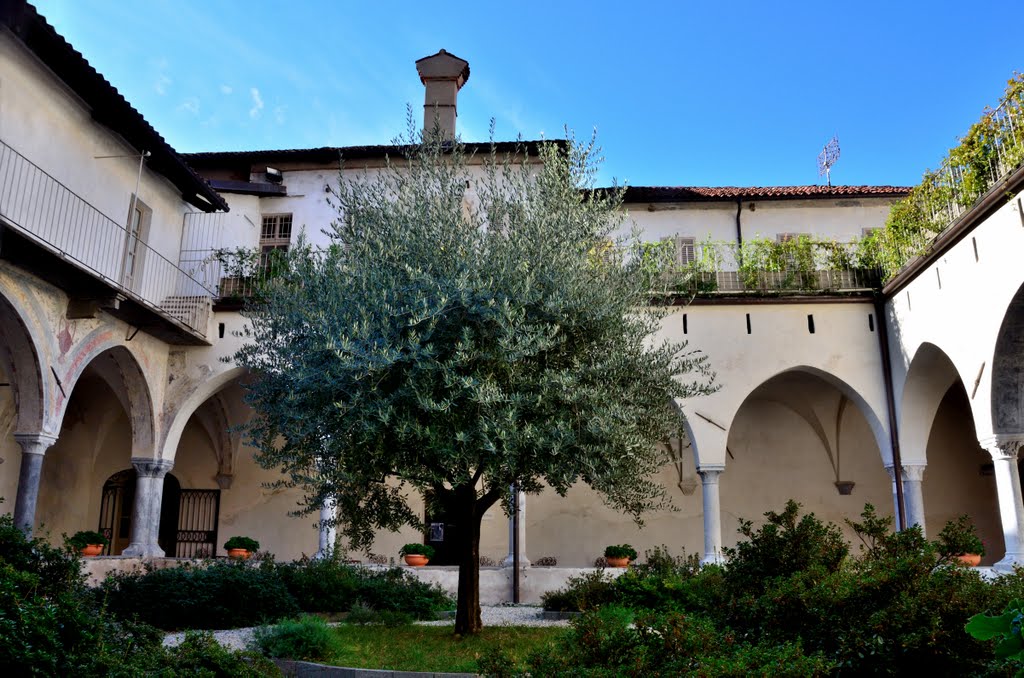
<point x="963" y="316"/>
<point x="44" y="121"/>
<point x="841" y="220"/>
<point x="843" y="349"/>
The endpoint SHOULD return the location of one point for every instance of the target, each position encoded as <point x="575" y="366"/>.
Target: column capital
<point x="151" y="468"/>
<point x="914" y="472"/>
<point x="709" y="472"/>
<point x="35" y="443"/>
<point x="1002" y="446"/>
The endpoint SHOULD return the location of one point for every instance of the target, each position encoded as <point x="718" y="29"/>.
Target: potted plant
<point x="959" y="540"/>
<point x="88" y="543"/>
<point x="417" y="555"/>
<point x="619" y="555"/>
<point x="241" y="547"/>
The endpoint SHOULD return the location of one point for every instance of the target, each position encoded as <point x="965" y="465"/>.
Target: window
<point x="138" y="223"/>
<point x="683" y="248"/>
<point x="686" y="250"/>
<point x="275" y="235"/>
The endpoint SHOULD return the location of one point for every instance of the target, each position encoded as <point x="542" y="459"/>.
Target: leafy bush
<point x="200" y="655"/>
<point x="586" y="592"/>
<point x="615" y="642"/>
<point x="960" y="536"/>
<point x="52" y="624"/>
<point x="307" y="637"/>
<point x="791" y="585"/>
<point x="217" y="595"/>
<point x="228" y="594"/>
<point x="321" y="585"/>
<point x="396" y="590"/>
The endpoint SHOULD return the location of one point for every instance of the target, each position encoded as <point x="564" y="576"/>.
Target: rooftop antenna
<point x="827" y="158"/>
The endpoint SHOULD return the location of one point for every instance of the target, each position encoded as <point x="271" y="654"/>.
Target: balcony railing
<point x="758" y="268"/>
<point x="48" y="213"/>
<point x="992" y="149"/>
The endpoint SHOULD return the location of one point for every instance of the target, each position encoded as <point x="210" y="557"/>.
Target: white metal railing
<point x="44" y="210"/>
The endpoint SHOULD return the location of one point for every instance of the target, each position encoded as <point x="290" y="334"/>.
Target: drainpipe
<point x="739" y="232"/>
<point x="897" y="462"/>
<point x="515" y="543"/>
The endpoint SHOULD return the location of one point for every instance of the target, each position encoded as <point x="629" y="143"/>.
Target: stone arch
<point x="120" y="369"/>
<point x="1008" y="371"/>
<point x="930" y="375"/>
<point x="21" y="360"/>
<point x="878" y="429"/>
<point x="183" y="411"/>
<point x="681" y="449"/>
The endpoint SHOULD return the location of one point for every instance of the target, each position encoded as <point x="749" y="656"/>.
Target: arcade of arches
<point x="91" y="445"/>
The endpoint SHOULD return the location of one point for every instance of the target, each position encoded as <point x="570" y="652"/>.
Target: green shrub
<point x="396" y="590"/>
<point x="200" y="655"/>
<point x="588" y="591"/>
<point x="218" y="595"/>
<point x="614" y="642"/>
<point x="321" y="585"/>
<point x="307" y="637"/>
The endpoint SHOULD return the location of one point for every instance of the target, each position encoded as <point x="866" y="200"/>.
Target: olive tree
<point x="472" y="326"/>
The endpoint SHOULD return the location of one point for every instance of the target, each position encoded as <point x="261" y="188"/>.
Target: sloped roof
<point x="635" y="194"/>
<point x="331" y="154"/>
<point x="108" y="106"/>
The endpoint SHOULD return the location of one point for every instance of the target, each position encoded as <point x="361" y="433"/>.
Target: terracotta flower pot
<point x="416" y="560"/>
<point x="241" y="554"/>
<point x="969" y="559"/>
<point x="617" y="562"/>
<point x="91" y="550"/>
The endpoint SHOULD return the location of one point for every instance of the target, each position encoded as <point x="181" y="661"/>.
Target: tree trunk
<point x="467" y="614"/>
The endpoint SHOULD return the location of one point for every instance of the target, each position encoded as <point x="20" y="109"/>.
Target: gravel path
<point x="492" y="615"/>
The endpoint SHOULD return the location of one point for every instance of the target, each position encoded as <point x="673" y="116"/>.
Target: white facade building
<point x="118" y="410"/>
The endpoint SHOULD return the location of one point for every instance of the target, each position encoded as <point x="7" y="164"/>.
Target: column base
<point x="508" y="561"/>
<point x="712" y="559"/>
<point x="144" y="551"/>
<point x="1009" y="561"/>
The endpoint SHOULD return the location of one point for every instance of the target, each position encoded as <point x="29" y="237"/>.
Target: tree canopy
<point x="473" y="324"/>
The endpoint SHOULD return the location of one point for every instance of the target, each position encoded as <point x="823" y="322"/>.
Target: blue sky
<point x="683" y="93"/>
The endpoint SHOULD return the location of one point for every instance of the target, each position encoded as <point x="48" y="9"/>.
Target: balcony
<point x="62" y="238"/>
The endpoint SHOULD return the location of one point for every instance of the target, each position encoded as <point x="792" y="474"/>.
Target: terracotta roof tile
<point x="636" y="194"/>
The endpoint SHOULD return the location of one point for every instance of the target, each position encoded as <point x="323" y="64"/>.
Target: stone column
<point x="1004" y="453"/>
<point x="33" y="447"/>
<point x="149" y="493"/>
<point x="328" y="530"/>
<point x="709" y="475"/>
<point x="895" y="497"/>
<point x="913" y="475"/>
<point x="523" y="560"/>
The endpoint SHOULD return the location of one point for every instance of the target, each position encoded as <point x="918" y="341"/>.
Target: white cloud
<point x="257" y="103"/>
<point x="190" y="105"/>
<point x="279" y="114"/>
<point x="162" y="81"/>
<point x="226" y="89"/>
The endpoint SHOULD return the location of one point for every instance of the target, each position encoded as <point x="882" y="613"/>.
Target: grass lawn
<point x="433" y="648"/>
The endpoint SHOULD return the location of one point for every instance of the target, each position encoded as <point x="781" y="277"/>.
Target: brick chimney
<point x="442" y="75"/>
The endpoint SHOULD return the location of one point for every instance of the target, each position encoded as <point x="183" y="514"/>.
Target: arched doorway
<point x="116" y="512"/>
